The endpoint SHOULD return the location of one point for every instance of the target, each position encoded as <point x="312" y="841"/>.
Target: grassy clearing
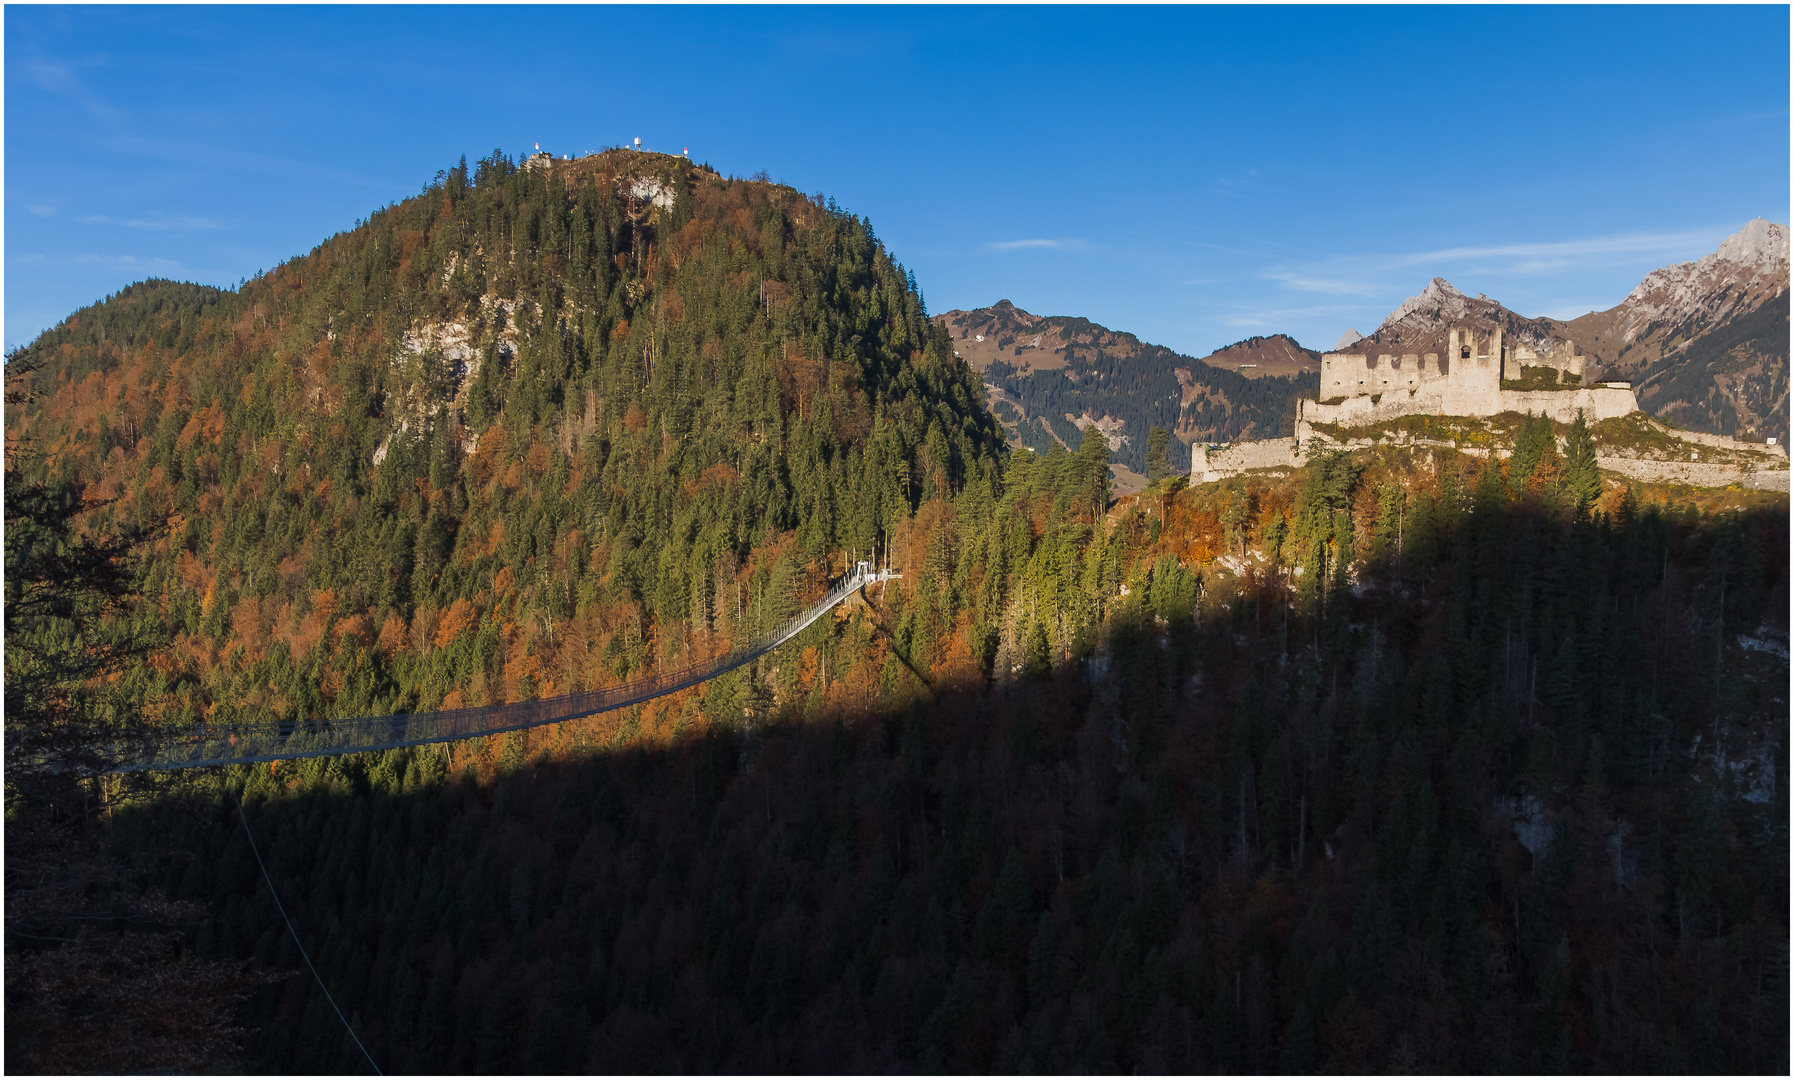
<point x="1461" y="430"/>
<point x="1542" y="378"/>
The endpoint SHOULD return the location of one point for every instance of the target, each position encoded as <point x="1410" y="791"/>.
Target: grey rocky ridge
<point x="1705" y="343"/>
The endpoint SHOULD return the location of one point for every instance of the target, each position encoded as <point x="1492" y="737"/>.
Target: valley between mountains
<point x="1452" y="756"/>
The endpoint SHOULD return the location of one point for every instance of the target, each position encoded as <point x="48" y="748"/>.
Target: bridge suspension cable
<point x="284" y="739"/>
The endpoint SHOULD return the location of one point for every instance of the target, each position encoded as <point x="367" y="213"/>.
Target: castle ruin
<point x="1481" y="374"/>
<point x="1466" y="380"/>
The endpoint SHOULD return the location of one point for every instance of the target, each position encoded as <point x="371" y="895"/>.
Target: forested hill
<point x="1051" y="376"/>
<point x="533" y="429"/>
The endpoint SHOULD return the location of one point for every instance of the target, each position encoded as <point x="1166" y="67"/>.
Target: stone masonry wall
<point x="1696" y="473"/>
<point x="1208" y="465"/>
<point x="1598" y="402"/>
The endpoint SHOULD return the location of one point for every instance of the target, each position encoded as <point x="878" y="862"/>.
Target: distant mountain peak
<point x="1756" y="253"/>
<point x="1679" y="300"/>
<point x="1256" y="357"/>
<point x="1706" y="340"/>
<point x="1440" y="299"/>
<point x="1761" y="245"/>
<point x="1047" y="377"/>
<point x="1421" y="323"/>
<point x="1351" y="335"/>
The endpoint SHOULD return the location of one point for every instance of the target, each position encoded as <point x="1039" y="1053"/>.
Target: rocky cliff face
<point x="1422" y="323"/>
<point x="1678" y="303"/>
<point x="1705" y="342"/>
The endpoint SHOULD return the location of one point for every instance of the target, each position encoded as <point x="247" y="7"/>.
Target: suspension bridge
<point x="280" y="740"/>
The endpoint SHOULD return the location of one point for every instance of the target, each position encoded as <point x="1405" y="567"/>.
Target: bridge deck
<point x="281" y="740"/>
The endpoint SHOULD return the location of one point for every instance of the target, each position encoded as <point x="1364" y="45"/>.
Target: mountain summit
<point x="1440" y="299"/>
<point x="1421" y="323"/>
<point x="1749" y="268"/>
<point x="1705" y="341"/>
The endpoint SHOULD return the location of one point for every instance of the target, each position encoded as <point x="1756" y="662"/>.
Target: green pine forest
<point x="1407" y="761"/>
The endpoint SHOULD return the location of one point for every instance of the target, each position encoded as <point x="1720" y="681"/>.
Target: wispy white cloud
<point x="41" y="210"/>
<point x="1541" y="270"/>
<point x="176" y="223"/>
<point x="59" y="78"/>
<point x="1380" y="274"/>
<point x="1334" y="286"/>
<point x="1280" y="318"/>
<point x="132" y="263"/>
<point x="1558" y="251"/>
<point x="1041" y="244"/>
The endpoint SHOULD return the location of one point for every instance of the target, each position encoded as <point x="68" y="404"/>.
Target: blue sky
<point x="1194" y="175"/>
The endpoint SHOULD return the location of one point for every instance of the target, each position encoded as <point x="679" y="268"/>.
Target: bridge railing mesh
<point x="283" y="739"/>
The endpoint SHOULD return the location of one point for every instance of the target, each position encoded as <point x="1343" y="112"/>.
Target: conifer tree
<point x="1157" y="441"/>
<point x="1582" y="476"/>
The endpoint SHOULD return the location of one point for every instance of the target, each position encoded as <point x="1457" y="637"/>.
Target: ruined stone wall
<point x="1769" y="474"/>
<point x="1454" y="399"/>
<point x="1563" y="357"/>
<point x="1358" y="389"/>
<point x="1597" y="402"/>
<point x="1476" y="359"/>
<point x="1354" y="374"/>
<point x="1725" y="443"/>
<point x="1369" y="409"/>
<point x="1209" y="465"/>
<point x="1697" y="473"/>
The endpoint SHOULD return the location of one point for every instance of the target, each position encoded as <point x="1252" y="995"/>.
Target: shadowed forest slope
<point x="1517" y="805"/>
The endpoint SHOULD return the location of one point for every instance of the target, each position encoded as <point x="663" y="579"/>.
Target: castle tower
<point x="1473" y="377"/>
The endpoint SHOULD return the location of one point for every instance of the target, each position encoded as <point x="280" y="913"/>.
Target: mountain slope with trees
<point x="1051" y="376"/>
<point x="529" y="432"/>
<point x="1706" y="342"/>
